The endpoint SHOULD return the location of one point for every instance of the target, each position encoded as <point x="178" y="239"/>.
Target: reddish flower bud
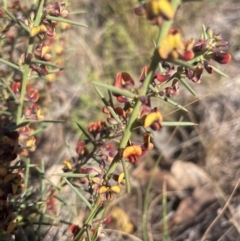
<point x="199" y="46"/>
<point x="81" y="149"/>
<point x="162" y="77"/>
<point x="222" y="57"/>
<point x="188" y="55"/>
<point x="208" y="67"/>
<point x="139" y="11"/>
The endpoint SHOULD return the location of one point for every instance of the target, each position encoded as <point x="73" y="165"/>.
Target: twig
<point x="221" y="213"/>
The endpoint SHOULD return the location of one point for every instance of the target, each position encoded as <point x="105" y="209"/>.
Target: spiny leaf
<point x="44" y="62"/>
<point x="171" y="102"/>
<point x="218" y="71"/>
<point x="175" y="123"/>
<point x="189" y="88"/>
<point x="10" y="64"/>
<point x="85" y="133"/>
<point x="78" y="193"/>
<point x="107" y="105"/>
<point x="63" y="20"/>
<point x="76" y="175"/>
<point x="26" y="122"/>
<point x="115" y="90"/>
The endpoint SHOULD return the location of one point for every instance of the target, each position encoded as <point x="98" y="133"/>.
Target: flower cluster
<point x="27" y="72"/>
<point x="206" y="49"/>
<point x="10" y="179"/>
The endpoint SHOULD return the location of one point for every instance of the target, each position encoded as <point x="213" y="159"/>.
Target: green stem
<point x="128" y="131"/>
<point x="39" y="13"/>
<point x="164" y="205"/>
<point x="89" y="220"/>
<point x="154" y="64"/>
<point x="26" y="68"/>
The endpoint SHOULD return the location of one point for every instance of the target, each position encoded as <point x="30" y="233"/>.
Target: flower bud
<point x="222" y="57"/>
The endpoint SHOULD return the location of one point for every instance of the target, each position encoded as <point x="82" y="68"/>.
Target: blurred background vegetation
<point x="116" y="40"/>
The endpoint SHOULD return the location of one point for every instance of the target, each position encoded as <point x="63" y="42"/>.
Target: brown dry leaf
<point x="191" y="207"/>
<point x="189" y="175"/>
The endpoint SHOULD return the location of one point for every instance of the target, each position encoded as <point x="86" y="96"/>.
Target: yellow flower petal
<point x="121" y="177"/>
<point x="151" y="118"/>
<point x="68" y="164"/>
<point x="132" y="150"/>
<point x="172" y="45"/>
<point x="31" y="143"/>
<point x="115" y="189"/>
<point x="166" y="9"/>
<point x="35" y="30"/>
<point x="162" y="8"/>
<point x="103" y="189"/>
<point x="45" y="49"/>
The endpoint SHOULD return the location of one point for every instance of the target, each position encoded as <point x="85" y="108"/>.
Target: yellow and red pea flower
<point x="144" y="73"/>
<point x="57" y="9"/>
<point x="74" y="229"/>
<point x="156" y="11"/>
<point x="132" y="153"/>
<point x="155" y="8"/>
<point x="26" y="140"/>
<point x="43" y="51"/>
<point x="96" y="128"/>
<point x="33" y="112"/>
<point x="123" y="81"/>
<point x="153" y="120"/>
<point x="81" y="149"/>
<point x="32" y="95"/>
<point x="120" y="179"/>
<point x="109" y="190"/>
<point x="173" y="47"/>
<point x="147" y="144"/>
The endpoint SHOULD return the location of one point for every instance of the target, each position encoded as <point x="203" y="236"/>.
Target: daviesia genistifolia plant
<point x="106" y="151"/>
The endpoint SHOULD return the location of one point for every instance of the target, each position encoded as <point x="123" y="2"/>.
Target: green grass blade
<point x="78" y="193"/>
<point x="126" y="176"/>
<point x="75" y="175"/>
<point x="164" y="205"/>
<point x="27" y="169"/>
